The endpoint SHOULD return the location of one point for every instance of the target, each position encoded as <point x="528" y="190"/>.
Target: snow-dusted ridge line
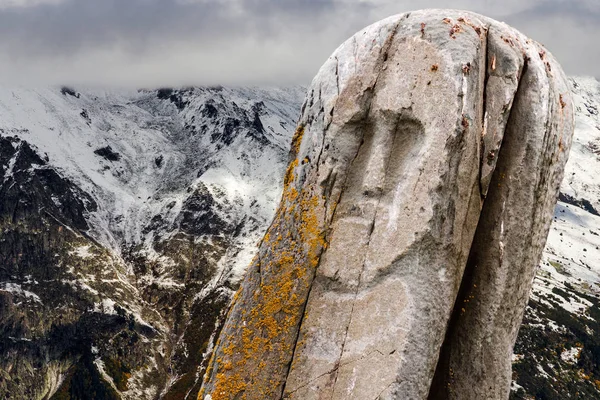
<point x="574" y="241"/>
<point x="141" y="129"/>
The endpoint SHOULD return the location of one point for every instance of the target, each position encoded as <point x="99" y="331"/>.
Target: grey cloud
<point x="569" y="29"/>
<point x="158" y="42"/>
<point x="40" y="40"/>
<point x="76" y="25"/>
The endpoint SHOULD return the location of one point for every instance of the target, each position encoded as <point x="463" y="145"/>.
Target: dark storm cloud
<point x="156" y="42"/>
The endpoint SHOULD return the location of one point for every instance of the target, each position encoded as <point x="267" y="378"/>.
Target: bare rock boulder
<point x="419" y="195"/>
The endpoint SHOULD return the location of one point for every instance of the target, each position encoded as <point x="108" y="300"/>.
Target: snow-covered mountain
<point x="127" y="219"/>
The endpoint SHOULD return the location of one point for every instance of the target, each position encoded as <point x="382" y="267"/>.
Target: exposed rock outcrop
<point x="416" y="205"/>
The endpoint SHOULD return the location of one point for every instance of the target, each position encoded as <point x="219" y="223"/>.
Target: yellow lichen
<point x="263" y="345"/>
<point x="297" y="140"/>
<point x="289" y="174"/>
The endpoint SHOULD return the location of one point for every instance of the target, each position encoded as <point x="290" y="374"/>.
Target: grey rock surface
<point x="512" y="231"/>
<point x="409" y="130"/>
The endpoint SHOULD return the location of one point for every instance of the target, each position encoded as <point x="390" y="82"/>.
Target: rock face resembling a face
<point x="418" y="199"/>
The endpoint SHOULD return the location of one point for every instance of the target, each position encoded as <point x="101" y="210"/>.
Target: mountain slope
<point x="127" y="221"/>
<point x="557" y="354"/>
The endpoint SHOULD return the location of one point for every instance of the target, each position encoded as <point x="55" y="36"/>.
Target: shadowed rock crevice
<point x="425" y="149"/>
<point x="442" y="384"/>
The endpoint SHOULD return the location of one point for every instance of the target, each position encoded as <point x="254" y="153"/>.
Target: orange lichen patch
<point x="542" y="54"/>
<point x="228" y="386"/>
<point x="254" y="355"/>
<point x="289" y="173"/>
<point x="508" y="41"/>
<point x="297" y="139"/>
<point x="467" y="22"/>
<point x="296" y="142"/>
<point x="238" y="293"/>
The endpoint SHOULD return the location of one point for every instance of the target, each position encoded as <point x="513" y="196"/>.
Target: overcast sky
<point x="149" y="43"/>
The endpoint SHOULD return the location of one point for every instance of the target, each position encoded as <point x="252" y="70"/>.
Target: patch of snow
<point x="514" y="386"/>
<point x="543" y="373"/>
<point x="82" y="252"/>
<point x="571" y="356"/>
<point x="106" y="306"/>
<point x="16" y="289"/>
<point x="11" y="164"/>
